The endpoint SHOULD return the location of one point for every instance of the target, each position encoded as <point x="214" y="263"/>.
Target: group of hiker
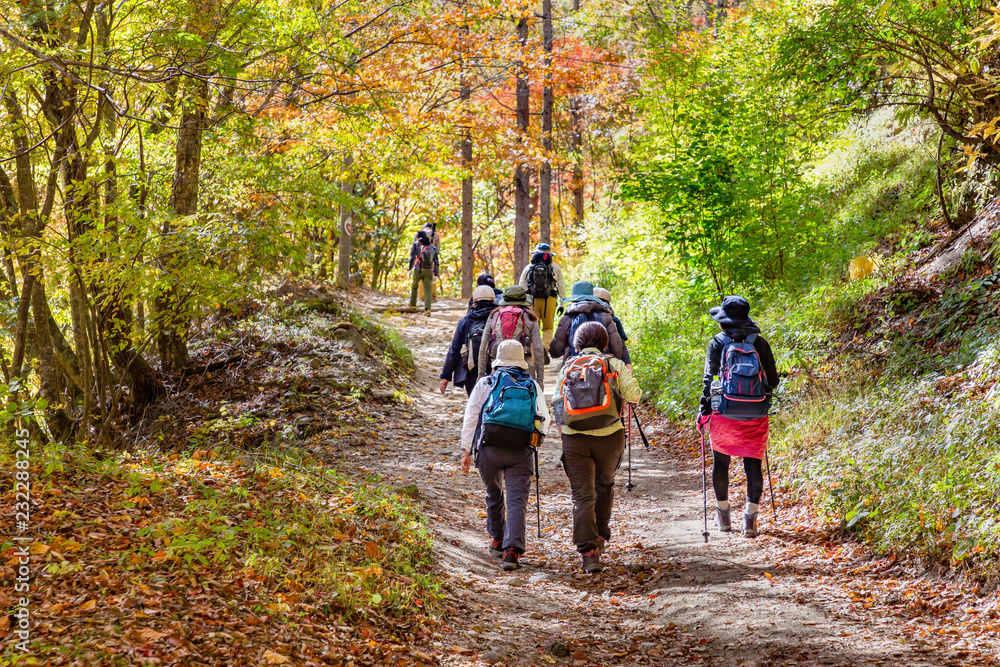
<point x="498" y="354"/>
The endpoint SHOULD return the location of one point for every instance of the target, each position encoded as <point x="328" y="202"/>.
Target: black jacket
<point x="713" y="359"/>
<point x="453" y="365"/>
<point x="415" y="257"/>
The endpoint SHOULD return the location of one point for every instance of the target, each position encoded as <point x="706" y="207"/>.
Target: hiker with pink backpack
<point x="513" y="320"/>
<point x="590" y="397"/>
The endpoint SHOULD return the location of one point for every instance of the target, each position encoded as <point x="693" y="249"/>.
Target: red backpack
<point x="511" y="324"/>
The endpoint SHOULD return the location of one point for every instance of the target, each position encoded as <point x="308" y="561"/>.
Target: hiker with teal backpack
<point x="513" y="319"/>
<point x="582" y="307"/>
<point x="740" y="375"/>
<point x="504" y="421"/>
<point x="590" y="397"/>
<point x="463" y="355"/>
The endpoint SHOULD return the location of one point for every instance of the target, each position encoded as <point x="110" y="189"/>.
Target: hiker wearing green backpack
<point x="740" y="375"/>
<point x="513" y="319"/>
<point x="588" y="402"/>
<point x="463" y="355"/>
<point x="504" y="420"/>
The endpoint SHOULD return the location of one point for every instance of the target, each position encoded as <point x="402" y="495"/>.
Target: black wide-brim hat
<point x="734" y="310"/>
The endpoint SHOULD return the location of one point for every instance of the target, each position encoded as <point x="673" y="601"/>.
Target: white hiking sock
<point x="752" y="508"/>
<point x="722" y="504"/>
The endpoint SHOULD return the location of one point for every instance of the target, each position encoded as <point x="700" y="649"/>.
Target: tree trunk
<point x="346" y="228"/>
<point x="468" y="260"/>
<point x="576" y="146"/>
<point x="171" y="341"/>
<point x="545" y="176"/>
<point x="56" y="417"/>
<point x="522" y="187"/>
<point x="576" y="136"/>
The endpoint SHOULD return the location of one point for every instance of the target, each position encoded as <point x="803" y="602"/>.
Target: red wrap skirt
<point x="739" y="438"/>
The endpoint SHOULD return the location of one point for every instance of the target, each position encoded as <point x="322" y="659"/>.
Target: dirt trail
<point x="665" y="597"/>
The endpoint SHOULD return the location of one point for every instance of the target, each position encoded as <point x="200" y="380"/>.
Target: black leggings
<point x="720" y="477"/>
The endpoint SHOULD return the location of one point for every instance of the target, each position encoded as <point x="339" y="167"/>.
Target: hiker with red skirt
<point x="740" y="375"/>
<point x="513" y="319"/>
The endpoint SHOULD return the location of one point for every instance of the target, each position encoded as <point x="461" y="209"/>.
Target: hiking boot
<point x="427" y="313"/>
<point x="509" y="561"/>
<point x="602" y="545"/>
<point x="749" y="525"/>
<point x="592" y="561"/>
<point x="548" y="358"/>
<point x="723" y="520"/>
<point x="496" y="548"/>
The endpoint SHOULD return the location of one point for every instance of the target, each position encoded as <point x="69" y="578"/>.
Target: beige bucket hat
<point x="510" y="353"/>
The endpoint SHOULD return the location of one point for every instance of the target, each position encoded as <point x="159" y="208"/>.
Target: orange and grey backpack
<point x="589" y="397"/>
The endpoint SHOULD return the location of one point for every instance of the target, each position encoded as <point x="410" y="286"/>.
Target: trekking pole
<point x="770" y="485"/>
<point x="642" y="433"/>
<point x="704" y="486"/>
<point x="538" y="497"/>
<point x="628" y="441"/>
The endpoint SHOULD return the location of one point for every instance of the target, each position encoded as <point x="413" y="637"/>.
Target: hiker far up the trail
<point x="605" y="296"/>
<point x="423" y="268"/>
<point x="584" y="307"/>
<point x="504" y="421"/>
<point x="543" y="279"/>
<point x="513" y="320"/>
<point x="462" y="358"/>
<point x="740" y="375"/>
<point x="588" y="402"/>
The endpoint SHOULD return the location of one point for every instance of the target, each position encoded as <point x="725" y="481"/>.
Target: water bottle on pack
<point x="715" y="393"/>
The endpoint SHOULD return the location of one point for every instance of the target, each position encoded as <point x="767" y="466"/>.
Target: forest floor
<point x="802" y="593"/>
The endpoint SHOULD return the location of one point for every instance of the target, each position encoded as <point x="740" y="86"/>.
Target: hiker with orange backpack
<point x="513" y="319"/>
<point x="740" y="375"/>
<point x="588" y="402"/>
<point x="504" y="421"/>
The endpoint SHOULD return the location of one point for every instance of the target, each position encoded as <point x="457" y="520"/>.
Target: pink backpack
<point x="511" y="324"/>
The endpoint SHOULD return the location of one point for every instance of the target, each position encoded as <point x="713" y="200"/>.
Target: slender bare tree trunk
<point x="576" y="146"/>
<point x="468" y="259"/>
<point x="522" y="173"/>
<point x="172" y="339"/>
<point x="346" y="228"/>
<point x="545" y="175"/>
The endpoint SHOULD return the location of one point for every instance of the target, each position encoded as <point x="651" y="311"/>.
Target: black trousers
<point x="720" y="477"/>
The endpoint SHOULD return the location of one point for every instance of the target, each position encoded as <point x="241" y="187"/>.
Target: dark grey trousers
<point x="591" y="462"/>
<point x="512" y="468"/>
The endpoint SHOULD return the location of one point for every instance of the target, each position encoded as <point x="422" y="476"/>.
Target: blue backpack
<point x="744" y="384"/>
<point x="508" y="416"/>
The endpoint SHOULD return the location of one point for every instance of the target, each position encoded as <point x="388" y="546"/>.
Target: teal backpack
<point x="508" y="416"/>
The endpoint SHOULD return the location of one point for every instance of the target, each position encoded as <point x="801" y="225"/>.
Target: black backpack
<point x="427" y="257"/>
<point x="472" y="342"/>
<point x="540" y="280"/>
